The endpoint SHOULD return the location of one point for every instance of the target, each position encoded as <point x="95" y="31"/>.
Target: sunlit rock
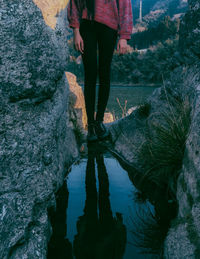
<point x="132" y="109"/>
<point x="108" y="117"/>
<point x="50" y="9"/>
<point x="76" y="103"/>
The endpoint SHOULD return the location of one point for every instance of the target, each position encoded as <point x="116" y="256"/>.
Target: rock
<point x="37" y="142"/>
<point x="77" y="101"/>
<point x="50" y="9"/>
<point x="77" y="109"/>
<point x="129" y="135"/>
<point x="132" y="109"/>
<point x="79" y="60"/>
<point x="190" y="34"/>
<point x="108" y="117"/>
<point x="183" y="249"/>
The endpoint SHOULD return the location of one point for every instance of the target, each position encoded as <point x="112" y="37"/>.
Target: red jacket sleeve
<point x="125" y="19"/>
<point x="73" y="14"/>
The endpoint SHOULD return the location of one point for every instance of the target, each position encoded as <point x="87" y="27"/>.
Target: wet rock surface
<point x="37" y="143"/>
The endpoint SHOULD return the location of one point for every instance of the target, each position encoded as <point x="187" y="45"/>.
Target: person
<point x="97" y="24"/>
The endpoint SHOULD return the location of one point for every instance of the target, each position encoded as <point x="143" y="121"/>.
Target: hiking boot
<point x="91" y="136"/>
<point x="101" y="131"/>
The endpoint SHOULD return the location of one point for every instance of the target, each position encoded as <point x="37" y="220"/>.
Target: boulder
<point x="37" y="142"/>
<point x="76" y="104"/>
<point x="131" y="133"/>
<point x="108" y="117"/>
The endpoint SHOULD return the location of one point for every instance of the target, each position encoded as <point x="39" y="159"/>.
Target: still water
<point x="100" y="209"/>
<point x="122" y="98"/>
<point x="128" y="97"/>
<point x="101" y="214"/>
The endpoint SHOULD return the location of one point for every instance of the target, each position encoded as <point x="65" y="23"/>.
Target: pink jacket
<point x="106" y="12"/>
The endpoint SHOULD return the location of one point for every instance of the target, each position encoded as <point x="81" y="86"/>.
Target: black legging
<point x="93" y="34"/>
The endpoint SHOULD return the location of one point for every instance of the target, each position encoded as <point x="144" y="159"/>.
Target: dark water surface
<point x="107" y="210"/>
<point x="101" y="214"/>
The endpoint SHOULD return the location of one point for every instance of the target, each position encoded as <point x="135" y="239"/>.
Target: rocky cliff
<point x="162" y="138"/>
<point x="37" y="142"/>
<point x="183" y="240"/>
<point x="159" y="8"/>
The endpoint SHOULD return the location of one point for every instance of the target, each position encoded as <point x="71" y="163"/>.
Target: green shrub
<point x="135" y="67"/>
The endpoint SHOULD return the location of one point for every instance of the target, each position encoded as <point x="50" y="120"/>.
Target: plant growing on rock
<point x="166" y="133"/>
<point x="144" y="109"/>
<point x="123" y="109"/>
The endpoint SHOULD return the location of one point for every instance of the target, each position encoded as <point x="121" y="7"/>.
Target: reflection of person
<point x="99" y="22"/>
<point x="100" y="236"/>
<point x="59" y="247"/>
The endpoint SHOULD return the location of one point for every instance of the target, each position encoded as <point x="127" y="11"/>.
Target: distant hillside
<point x="158" y="9"/>
<point x="147" y="6"/>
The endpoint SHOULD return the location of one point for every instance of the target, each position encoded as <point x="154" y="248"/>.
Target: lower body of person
<point x="101" y="39"/>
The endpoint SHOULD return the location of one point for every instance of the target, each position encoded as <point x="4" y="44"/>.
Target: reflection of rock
<point x="50" y="10"/>
<point x="76" y="104"/>
<point x="36" y="142"/>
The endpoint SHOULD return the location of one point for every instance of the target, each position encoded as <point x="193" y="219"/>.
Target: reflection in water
<point x="149" y="228"/>
<point x="107" y="217"/>
<point x="59" y="247"/>
<point x="50" y="9"/>
<point x="148" y="233"/>
<point x="99" y="236"/>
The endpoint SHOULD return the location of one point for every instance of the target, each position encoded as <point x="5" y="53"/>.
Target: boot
<point x="101" y="131"/>
<point x="91" y="136"/>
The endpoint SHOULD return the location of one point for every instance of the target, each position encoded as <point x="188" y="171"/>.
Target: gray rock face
<point x="37" y="143"/>
<point x="190" y="34"/>
<point x="32" y="70"/>
<point x="188" y="185"/>
<point x="130" y="133"/>
<point x="176" y="247"/>
<point x="183" y="239"/>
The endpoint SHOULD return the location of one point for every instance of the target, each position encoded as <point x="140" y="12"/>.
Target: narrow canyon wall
<point x="183" y="240"/>
<point x="37" y="142"/>
<point x="129" y="135"/>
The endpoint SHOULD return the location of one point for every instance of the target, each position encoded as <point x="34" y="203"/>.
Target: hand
<point x="122" y="46"/>
<point x="78" y="41"/>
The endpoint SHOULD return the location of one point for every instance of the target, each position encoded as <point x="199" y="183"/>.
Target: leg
<point x="106" y="42"/>
<point x="87" y="225"/>
<point x="89" y="57"/>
